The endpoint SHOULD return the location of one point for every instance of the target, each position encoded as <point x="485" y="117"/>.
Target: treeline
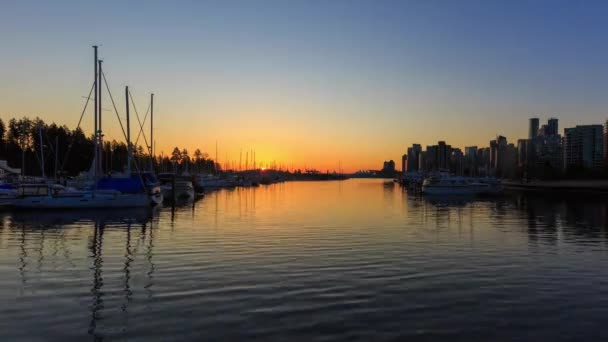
<point x="181" y="161"/>
<point x="30" y="143"/>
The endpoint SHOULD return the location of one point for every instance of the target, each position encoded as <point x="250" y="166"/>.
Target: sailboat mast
<point x="152" y="132"/>
<point x="95" y="110"/>
<point x="56" y="155"/>
<point x="41" y="150"/>
<point x="99" y="135"/>
<point x="128" y="132"/>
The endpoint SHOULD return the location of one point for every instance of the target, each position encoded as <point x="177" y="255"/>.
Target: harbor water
<point x="332" y="261"/>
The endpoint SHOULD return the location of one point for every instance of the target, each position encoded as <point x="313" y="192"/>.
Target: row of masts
<point x="98" y="136"/>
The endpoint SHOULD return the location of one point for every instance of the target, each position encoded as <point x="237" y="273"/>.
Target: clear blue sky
<point x="311" y="82"/>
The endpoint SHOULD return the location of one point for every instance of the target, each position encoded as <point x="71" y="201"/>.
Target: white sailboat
<point x="54" y="196"/>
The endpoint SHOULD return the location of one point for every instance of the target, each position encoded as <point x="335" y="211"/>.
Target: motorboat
<point x="7" y="196"/>
<point x="206" y="182"/>
<point x="451" y="185"/>
<point x="176" y="187"/>
<point x="489" y="185"/>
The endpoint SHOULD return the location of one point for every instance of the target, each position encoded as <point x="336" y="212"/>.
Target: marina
<point x="134" y="185"/>
<point x="303" y="171"/>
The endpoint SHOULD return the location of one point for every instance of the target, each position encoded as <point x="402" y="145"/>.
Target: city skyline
<point x="310" y="84"/>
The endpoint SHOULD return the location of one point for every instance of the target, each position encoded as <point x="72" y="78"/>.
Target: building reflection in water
<point x="548" y="218"/>
<point x="559" y="217"/>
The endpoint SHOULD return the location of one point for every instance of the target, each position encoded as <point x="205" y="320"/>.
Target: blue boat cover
<point x="124" y="185"/>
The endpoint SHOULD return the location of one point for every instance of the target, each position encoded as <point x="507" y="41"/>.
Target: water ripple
<point x="354" y="260"/>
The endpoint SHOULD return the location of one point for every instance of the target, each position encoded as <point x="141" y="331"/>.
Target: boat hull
<point x="183" y="190"/>
<point x="451" y="191"/>
<point x="100" y="200"/>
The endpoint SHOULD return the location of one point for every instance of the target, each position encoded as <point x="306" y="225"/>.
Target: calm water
<point x="357" y="259"/>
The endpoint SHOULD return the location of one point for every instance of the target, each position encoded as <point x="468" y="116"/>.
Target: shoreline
<point x="588" y="186"/>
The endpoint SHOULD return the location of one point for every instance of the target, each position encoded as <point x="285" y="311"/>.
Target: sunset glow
<point x="308" y="93"/>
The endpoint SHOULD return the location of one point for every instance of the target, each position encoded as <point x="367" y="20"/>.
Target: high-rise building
<point x="552" y="127"/>
<point x="500" y="161"/>
<point x="583" y="147"/>
<point x="422" y="160"/>
<point x="470" y="152"/>
<point x="430" y="162"/>
<point x="443" y="155"/>
<point x="470" y="160"/>
<point x="404" y="163"/>
<point x="533" y="129"/>
<point x="509" y="161"/>
<point x="389" y="166"/>
<point x="606" y="143"/>
<point x="413" y="158"/>
<point x="457" y="162"/>
<point x="522" y="153"/>
<point x="493" y="157"/>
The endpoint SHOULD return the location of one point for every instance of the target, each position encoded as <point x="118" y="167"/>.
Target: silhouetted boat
<point x="176" y="187"/>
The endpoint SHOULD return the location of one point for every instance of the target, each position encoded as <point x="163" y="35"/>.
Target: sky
<point x="323" y="84"/>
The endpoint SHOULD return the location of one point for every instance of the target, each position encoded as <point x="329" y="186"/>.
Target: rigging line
<point x="137" y="169"/>
<point x="67" y="153"/>
<point x="139" y="121"/>
<point x="103" y="74"/>
<point x="141" y="128"/>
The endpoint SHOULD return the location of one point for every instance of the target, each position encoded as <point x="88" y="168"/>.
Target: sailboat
<point x="107" y="192"/>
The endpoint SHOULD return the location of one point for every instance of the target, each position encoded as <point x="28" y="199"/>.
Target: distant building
<point x="389" y="166"/>
<point x="509" y="163"/>
<point x="457" y="161"/>
<point x="522" y="153"/>
<point x="413" y="154"/>
<point x="437" y="157"/>
<point x="470" y="152"/>
<point x="552" y="127"/>
<point x="583" y="147"/>
<point x="470" y="161"/>
<point x="422" y="160"/>
<point x="404" y="163"/>
<point x="606" y="144"/>
<point x="443" y="155"/>
<point x="493" y="158"/>
<point x="533" y="128"/>
<point x="430" y="160"/>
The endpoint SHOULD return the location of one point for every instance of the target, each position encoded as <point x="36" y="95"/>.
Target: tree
<point x="197" y="159"/>
<point x="2" y="144"/>
<point x="176" y="157"/>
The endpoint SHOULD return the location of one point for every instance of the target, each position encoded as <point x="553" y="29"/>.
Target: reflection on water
<point x="310" y="260"/>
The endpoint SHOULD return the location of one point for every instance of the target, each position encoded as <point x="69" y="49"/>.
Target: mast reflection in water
<point x="310" y="260"/>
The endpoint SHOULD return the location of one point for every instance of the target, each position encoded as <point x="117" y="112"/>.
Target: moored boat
<point x="54" y="196"/>
<point x="176" y="187"/>
<point x="450" y="185"/>
<point x="445" y="184"/>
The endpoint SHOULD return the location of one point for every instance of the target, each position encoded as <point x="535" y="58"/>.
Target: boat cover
<point x="124" y="185"/>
